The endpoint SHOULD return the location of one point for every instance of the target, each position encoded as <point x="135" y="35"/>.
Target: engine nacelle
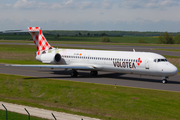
<point x="57" y="58"/>
<point x="49" y="58"/>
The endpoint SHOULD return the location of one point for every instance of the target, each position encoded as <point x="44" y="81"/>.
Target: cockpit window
<point x="154" y="60"/>
<point x="162" y="60"/>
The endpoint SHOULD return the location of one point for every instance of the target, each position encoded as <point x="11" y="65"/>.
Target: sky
<point x="123" y="15"/>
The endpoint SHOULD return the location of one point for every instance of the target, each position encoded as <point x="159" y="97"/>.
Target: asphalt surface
<point x="103" y="77"/>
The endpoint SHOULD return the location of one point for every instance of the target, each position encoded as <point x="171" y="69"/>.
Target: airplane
<point x="128" y="62"/>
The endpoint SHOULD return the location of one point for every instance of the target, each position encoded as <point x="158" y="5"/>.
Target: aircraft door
<point x="147" y="64"/>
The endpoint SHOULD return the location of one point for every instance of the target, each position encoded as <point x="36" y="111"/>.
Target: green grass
<point x="16" y="116"/>
<point x="14" y="37"/>
<point x="174" y="50"/>
<point x="18" y="48"/>
<point x="95" y="43"/>
<point x="125" y="39"/>
<point x="94" y="100"/>
<point x="168" y="56"/>
<point x="18" y="54"/>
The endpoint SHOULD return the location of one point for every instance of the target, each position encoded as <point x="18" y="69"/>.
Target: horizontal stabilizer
<point x="17" y="31"/>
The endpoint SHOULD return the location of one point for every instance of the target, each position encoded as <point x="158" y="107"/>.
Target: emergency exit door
<point x="147" y="64"/>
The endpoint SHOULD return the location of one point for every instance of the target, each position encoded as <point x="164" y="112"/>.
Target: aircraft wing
<point x="80" y="67"/>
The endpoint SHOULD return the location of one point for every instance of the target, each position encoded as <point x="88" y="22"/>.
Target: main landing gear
<point x="74" y="73"/>
<point x="94" y="73"/>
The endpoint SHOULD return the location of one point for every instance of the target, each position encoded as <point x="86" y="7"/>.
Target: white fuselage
<point x="142" y="63"/>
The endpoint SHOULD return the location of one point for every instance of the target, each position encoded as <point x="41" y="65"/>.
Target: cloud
<point x="107" y="4"/>
<point x="144" y="4"/>
<point x="146" y="25"/>
<point x="90" y="4"/>
<point x="67" y="4"/>
<point x="4" y="6"/>
<point x="24" y="4"/>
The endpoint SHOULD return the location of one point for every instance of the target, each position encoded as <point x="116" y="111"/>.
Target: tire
<point x="74" y="73"/>
<point x="164" y="81"/>
<point x="94" y="73"/>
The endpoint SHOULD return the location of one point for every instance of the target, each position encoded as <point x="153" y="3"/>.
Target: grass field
<point x="125" y="39"/>
<point x="18" y="54"/>
<point x="16" y="116"/>
<point x="173" y="50"/>
<point x="94" y="100"/>
<point x="94" y="43"/>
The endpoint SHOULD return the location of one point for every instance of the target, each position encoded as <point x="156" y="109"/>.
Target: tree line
<point x="103" y="33"/>
<point x="167" y="38"/>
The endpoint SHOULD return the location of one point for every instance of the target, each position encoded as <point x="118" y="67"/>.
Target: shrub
<point x="166" y="39"/>
<point x="141" y="41"/>
<point x="177" y="39"/>
<point x="104" y="39"/>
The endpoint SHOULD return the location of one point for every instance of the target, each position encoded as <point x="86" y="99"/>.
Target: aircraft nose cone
<point x="174" y="70"/>
<point x="168" y="69"/>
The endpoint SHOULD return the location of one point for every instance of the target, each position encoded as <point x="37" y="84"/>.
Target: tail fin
<point x="39" y="39"/>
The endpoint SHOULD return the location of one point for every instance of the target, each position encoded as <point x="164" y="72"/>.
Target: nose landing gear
<point x="164" y="80"/>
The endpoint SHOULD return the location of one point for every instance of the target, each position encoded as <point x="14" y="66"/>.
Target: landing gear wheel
<point x="74" y="73"/>
<point x="164" y="81"/>
<point x="94" y="73"/>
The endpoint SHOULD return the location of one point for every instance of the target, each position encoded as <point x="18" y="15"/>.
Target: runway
<point x="103" y="77"/>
